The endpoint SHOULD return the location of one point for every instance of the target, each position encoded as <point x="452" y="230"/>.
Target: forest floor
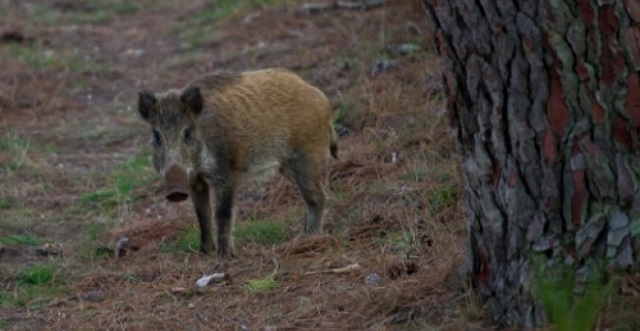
<point x="76" y="182"/>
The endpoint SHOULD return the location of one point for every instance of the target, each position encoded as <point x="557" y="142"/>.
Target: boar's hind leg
<point x="224" y="218"/>
<point x="306" y="173"/>
<point x="202" y="204"/>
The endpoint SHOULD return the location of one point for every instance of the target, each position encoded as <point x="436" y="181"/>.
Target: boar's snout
<point x="176" y="184"/>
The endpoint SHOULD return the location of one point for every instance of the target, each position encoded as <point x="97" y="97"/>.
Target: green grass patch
<point x="218" y="9"/>
<point x="95" y="230"/>
<point x="92" y="251"/>
<point x="199" y="35"/>
<point x="346" y="107"/>
<point x="133" y="173"/>
<point x="32" y="296"/>
<point x="261" y="232"/>
<point x="93" y="12"/>
<point x="417" y="174"/>
<point x="127" y="7"/>
<point x="189" y="59"/>
<point x="20" y="240"/>
<point x="261" y="285"/>
<point x="99" y="196"/>
<point x="571" y="306"/>
<point x="198" y="30"/>
<point x="38" y="58"/>
<point x="19" y="218"/>
<point x="13" y="143"/>
<point x="37" y="274"/>
<point x="127" y="176"/>
<point x="101" y="12"/>
<point x="5" y="203"/>
<point x="4" y="9"/>
<point x="91" y="17"/>
<point x="34" y="284"/>
<point x="105" y="200"/>
<point x="123" y="7"/>
<point x="444" y="198"/>
<point x="43" y="59"/>
<point x="396" y="241"/>
<point x="43" y="13"/>
<point x="188" y="241"/>
<point x="17" y="147"/>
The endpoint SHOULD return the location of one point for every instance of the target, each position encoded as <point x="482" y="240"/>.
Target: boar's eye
<point x="157" y="141"/>
<point x="188" y="135"/>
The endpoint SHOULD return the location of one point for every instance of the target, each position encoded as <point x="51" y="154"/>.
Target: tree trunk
<point x="544" y="100"/>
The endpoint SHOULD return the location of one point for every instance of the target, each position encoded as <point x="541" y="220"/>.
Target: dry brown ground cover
<point x="75" y="178"/>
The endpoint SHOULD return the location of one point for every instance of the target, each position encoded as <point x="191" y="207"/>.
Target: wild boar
<point x="223" y="128"/>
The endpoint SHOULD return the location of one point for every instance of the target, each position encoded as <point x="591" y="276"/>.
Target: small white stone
<point x="208" y="279"/>
<point x="372" y="279"/>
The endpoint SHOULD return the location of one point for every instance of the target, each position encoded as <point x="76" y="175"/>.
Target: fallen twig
<point x="342" y="270"/>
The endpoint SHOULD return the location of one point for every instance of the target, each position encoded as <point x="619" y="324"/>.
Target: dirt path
<point x="74" y="174"/>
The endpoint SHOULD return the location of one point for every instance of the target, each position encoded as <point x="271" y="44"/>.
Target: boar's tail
<point x="333" y="142"/>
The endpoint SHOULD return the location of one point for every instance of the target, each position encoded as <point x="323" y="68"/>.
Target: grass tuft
<point x="396" y="241"/>
<point x="345" y="108"/>
<point x="36" y="284"/>
<point x="99" y="196"/>
<point x="261" y="285"/>
<point x="20" y="240"/>
<point x="5" y="203"/>
<point x="570" y="305"/>
<point x="188" y="241"/>
<point x="444" y="198"/>
<point x="261" y="232"/>
<point x="17" y="148"/>
<point x="126" y="177"/>
<point x="37" y="274"/>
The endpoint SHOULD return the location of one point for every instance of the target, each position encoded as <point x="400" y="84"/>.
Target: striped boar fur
<point x="223" y="128"/>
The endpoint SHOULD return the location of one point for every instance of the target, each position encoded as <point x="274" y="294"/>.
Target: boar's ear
<point x="192" y="98"/>
<point x="146" y="101"/>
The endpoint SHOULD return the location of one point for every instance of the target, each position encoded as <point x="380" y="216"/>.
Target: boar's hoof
<point x="177" y="196"/>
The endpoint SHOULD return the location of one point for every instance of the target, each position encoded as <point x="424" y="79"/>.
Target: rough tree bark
<point x="544" y="99"/>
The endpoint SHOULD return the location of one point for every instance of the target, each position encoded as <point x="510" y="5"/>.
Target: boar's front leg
<point x="224" y="218"/>
<point x="202" y="203"/>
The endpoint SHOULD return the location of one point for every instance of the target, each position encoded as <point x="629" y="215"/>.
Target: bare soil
<point x="70" y="72"/>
